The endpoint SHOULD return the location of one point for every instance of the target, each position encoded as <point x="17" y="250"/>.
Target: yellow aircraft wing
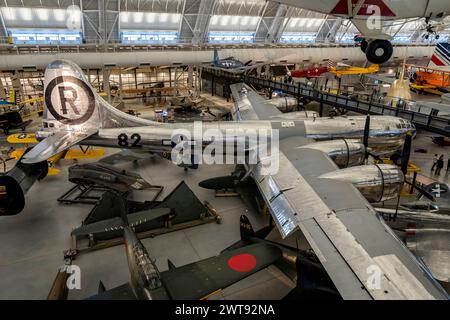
<point x="70" y="154"/>
<point x="17" y="154"/>
<point x="23" y="138"/>
<point x="90" y="153"/>
<point x="39" y="99"/>
<point x="338" y="71"/>
<point x="53" y="171"/>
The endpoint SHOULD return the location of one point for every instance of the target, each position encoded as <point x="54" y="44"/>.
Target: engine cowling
<point x="345" y="153"/>
<point x="377" y="183"/>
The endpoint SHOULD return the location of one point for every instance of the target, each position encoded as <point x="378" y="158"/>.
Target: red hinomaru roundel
<point x="242" y="262"/>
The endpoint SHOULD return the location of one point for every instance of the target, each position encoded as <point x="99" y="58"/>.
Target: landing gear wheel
<point x="364" y="45"/>
<point x="379" y="51"/>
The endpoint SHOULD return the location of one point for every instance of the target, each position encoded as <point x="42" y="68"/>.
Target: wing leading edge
<point x="249" y="105"/>
<point x="201" y="279"/>
<point x="361" y="254"/>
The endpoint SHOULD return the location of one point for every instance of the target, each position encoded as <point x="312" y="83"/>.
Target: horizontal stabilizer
<point x="134" y="220"/>
<point x="90" y="153"/>
<point x="99" y="227"/>
<point x="54" y="144"/>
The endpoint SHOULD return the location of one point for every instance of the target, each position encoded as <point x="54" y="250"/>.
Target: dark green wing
<point x="123" y="292"/>
<point x="200" y="279"/>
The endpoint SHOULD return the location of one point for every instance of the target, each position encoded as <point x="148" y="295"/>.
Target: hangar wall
<point x="187" y="57"/>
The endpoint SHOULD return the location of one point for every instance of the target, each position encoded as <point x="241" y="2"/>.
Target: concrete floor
<point x="425" y="161"/>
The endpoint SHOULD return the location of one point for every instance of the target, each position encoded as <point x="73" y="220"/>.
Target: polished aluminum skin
<point x="75" y="112"/>
<point x="377" y="183"/>
<point x="344" y="231"/>
<point x="345" y="153"/>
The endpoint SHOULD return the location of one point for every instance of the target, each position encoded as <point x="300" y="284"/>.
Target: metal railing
<point x="426" y="121"/>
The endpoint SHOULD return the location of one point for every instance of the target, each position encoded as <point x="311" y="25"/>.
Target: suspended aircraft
<point x="228" y="63"/>
<point x="338" y="69"/>
<point x="342" y="69"/>
<point x="310" y="73"/>
<point x="368" y="17"/>
<point x="434" y="79"/>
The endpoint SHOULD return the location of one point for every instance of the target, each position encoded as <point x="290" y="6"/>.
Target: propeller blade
<point x="406" y="152"/>
<point x="423" y="192"/>
<point x="366" y="135"/>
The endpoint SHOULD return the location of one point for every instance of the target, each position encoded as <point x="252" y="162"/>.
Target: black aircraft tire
<point x="364" y="45"/>
<point x="376" y="45"/>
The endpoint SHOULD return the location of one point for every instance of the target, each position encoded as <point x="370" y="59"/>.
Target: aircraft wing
<point x="360" y="253"/>
<point x="202" y="279"/>
<point x="350" y="239"/>
<point x="123" y="292"/>
<point x="251" y="106"/>
<point x="114" y="224"/>
<point x="54" y="144"/>
<point x="22" y="138"/>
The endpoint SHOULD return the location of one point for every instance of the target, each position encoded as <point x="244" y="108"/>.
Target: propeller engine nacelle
<point x="377" y="183"/>
<point x="344" y="153"/>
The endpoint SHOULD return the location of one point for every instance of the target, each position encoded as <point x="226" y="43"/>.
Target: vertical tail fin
<point x="246" y="228"/>
<point x="71" y="104"/>
<point x="441" y="56"/>
<point x="73" y="111"/>
<point x="247" y="231"/>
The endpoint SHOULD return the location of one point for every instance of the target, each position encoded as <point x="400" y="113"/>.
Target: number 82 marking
<point x="122" y="140"/>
